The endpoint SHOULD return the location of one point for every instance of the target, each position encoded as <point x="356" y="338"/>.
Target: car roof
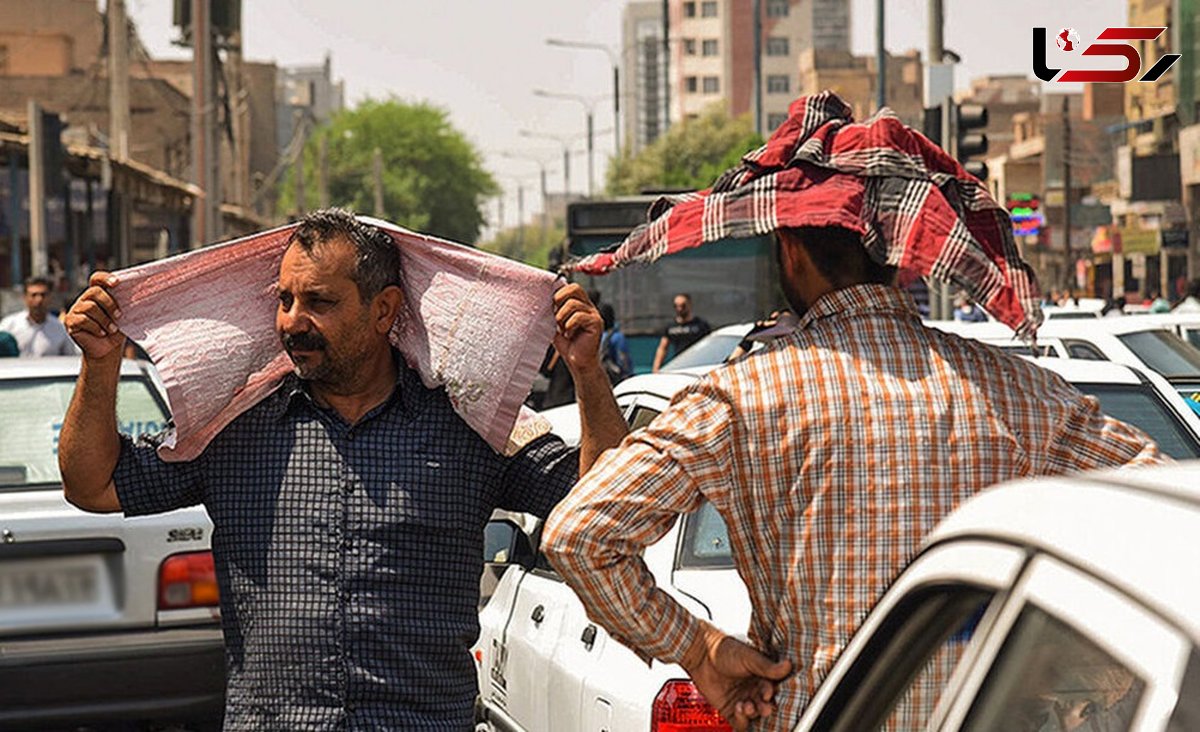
<point x="1082" y="371"/>
<point x="1134" y="528"/>
<point x="735" y="329"/>
<point x="56" y="366"/>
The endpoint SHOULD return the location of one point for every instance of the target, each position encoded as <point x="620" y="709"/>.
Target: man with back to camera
<point x="831" y="452"/>
<point x="36" y="333"/>
<point x="686" y="330"/>
<point x="348" y="505"/>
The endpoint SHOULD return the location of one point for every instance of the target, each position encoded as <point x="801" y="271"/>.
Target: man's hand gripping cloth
<point x="914" y="205"/>
<point x="474" y="323"/>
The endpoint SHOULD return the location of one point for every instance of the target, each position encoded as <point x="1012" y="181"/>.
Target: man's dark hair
<point x="684" y="295"/>
<point x="839" y="255"/>
<point x="37" y="280"/>
<point x="377" y="261"/>
<point x="1193" y="288"/>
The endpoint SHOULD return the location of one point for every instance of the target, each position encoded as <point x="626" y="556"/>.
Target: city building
<point x="642" y="74"/>
<point x="306" y="92"/>
<point x="712" y="54"/>
<point x="856" y="79"/>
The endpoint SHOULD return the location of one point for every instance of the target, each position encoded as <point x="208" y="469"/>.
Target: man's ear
<point x="386" y="308"/>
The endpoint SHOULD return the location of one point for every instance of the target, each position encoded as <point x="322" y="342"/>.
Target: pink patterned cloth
<point x="474" y="323"/>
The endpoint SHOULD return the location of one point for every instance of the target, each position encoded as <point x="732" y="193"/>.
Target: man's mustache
<point x="303" y="342"/>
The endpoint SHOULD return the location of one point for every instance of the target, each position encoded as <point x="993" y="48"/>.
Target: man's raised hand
<point x="92" y="320"/>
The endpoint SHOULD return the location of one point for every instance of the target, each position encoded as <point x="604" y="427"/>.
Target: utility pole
<point x="377" y="174"/>
<point x="880" y="58"/>
<point x="38" y="255"/>
<point x="939" y="90"/>
<point x="591" y="152"/>
<point x="520" y="213"/>
<point x="666" y="64"/>
<point x="298" y="169"/>
<point x="323" y="171"/>
<point x="206" y="210"/>
<point x="758" y="90"/>
<point x="1066" y="124"/>
<point x="239" y="108"/>
<point x="545" y="208"/>
<point x="118" y="81"/>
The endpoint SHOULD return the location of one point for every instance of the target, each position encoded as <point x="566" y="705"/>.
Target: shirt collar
<point x="409" y="393"/>
<point x="860" y="300"/>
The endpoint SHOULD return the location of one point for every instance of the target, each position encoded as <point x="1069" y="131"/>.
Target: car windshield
<point x="1141" y="407"/>
<point x="711" y="350"/>
<point x="34" y="410"/>
<point x="1164" y="352"/>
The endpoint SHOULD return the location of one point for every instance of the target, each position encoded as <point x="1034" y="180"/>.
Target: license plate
<point x="55" y="584"/>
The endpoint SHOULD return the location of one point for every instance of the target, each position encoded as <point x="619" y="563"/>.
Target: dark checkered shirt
<point x="349" y="557"/>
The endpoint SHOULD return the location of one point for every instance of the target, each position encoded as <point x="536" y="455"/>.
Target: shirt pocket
<point x="430" y="489"/>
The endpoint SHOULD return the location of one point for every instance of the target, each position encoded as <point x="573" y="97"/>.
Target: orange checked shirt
<point x="830" y="455"/>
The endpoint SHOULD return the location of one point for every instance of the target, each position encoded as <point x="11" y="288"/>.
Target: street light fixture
<point x="542" y="171"/>
<point x="589" y="105"/>
<point x="616" y="70"/>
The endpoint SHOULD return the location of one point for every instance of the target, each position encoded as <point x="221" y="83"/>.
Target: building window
<point x="777" y="8"/>
<point x="778" y="84"/>
<point x="710" y="47"/>
<point x="777" y="46"/>
<point x="689" y="10"/>
<point x="775" y="119"/>
<point x="689" y="46"/>
<point x="712" y="85"/>
<point x="690" y="84"/>
<point x="708" y="9"/>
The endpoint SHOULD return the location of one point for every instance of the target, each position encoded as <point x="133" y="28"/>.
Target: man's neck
<point x="35" y="319"/>
<point x="376" y="382"/>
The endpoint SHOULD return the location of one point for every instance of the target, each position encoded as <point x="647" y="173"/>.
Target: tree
<point x="692" y="155"/>
<point x="433" y="177"/>
<point x="527" y="245"/>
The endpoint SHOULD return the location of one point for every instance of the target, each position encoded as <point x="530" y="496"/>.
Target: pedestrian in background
<point x="686" y="330"/>
<point x="37" y="331"/>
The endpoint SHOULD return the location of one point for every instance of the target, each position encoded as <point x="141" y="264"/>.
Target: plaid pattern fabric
<point x="830" y="454"/>
<point x="348" y="557"/>
<point x="914" y="205"/>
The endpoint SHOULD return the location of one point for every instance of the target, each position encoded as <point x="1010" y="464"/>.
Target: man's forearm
<point x="88" y="446"/>
<point x="602" y="425"/>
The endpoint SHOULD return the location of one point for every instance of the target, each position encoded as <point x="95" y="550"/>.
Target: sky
<point x="481" y="60"/>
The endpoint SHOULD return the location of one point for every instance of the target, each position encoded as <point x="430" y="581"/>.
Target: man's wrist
<point x="698" y="650"/>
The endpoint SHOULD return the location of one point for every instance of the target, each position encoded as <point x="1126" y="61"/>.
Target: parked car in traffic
<point x="102" y="618"/>
<point x="1069" y="603"/>
<point x="542" y="665"/>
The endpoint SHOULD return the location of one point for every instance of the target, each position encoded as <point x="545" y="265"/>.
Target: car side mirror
<point x="506" y="543"/>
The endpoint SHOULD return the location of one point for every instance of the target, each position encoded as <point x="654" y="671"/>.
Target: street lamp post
<point x="589" y="104"/>
<point x="542" y="176"/>
<point x="616" y="71"/>
<point x="566" y="148"/>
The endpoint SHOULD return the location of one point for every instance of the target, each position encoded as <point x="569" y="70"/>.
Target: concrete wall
<point x="49" y="37"/>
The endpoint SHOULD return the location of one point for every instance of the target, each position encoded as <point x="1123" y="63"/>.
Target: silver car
<point x="102" y="618"/>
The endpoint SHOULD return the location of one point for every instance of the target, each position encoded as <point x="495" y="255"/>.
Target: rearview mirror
<point x="505" y="543"/>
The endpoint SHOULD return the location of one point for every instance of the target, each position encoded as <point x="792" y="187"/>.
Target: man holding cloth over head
<point x="349" y="500"/>
<point x="834" y="450"/>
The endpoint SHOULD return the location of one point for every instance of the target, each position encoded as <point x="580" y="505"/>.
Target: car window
<point x="710" y="350"/>
<point x="1140" y="406"/>
<point x="641" y="416"/>
<point x="1164" y="352"/>
<point x="1193" y="337"/>
<point x="34" y="410"/>
<point x="1083" y="350"/>
<point x="705" y="540"/>
<point x="897" y="678"/>
<point x="1049" y="676"/>
<point x="1024" y="349"/>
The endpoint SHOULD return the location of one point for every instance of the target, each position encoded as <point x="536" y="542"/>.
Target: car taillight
<point x="187" y="580"/>
<point x="680" y="707"/>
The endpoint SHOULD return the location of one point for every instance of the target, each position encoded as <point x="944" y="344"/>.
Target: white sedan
<point x="542" y="665"/>
<point x="102" y="619"/>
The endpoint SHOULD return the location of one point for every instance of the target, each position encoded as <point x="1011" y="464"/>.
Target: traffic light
<point x="967" y="142"/>
<point x="954" y="128"/>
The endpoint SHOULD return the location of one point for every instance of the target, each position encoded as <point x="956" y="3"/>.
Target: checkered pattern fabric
<point x="830" y="454"/>
<point x="349" y="557"/>
<point x="914" y="205"/>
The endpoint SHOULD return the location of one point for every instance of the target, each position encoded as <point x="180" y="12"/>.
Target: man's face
<point x="683" y="308"/>
<point x="322" y="322"/>
<point x="37" y="301"/>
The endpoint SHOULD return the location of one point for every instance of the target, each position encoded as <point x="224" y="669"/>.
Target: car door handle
<point x="589" y="636"/>
<point x="539" y="614"/>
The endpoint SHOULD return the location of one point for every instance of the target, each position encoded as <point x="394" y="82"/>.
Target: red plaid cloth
<point x="914" y="205"/>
